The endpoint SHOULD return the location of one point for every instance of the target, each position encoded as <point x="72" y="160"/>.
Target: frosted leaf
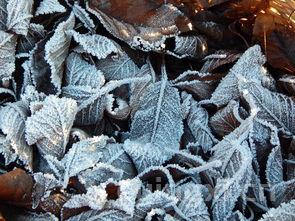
<point x="115" y="155"/>
<point x="95" y="198"/>
<point x="55" y="166"/>
<point x="281" y="115"/>
<point x="91" y="105"/>
<point x="12" y="124"/>
<point x="138" y="89"/>
<point x="118" y="67"/>
<point x="195" y="83"/>
<point x="6" y="150"/>
<point x="56" y="50"/>
<point x="36" y="32"/>
<point x="3" y="15"/>
<point x="248" y="66"/>
<point x="147" y="155"/>
<point x="158" y="120"/>
<point x="256" y="192"/>
<point x="227" y="119"/>
<point x="274" y="167"/>
<point x="198" y="123"/>
<point x="49" y="128"/>
<point x="50" y="6"/>
<point x="235" y="182"/>
<point x="83" y="16"/>
<point x="19" y="16"/>
<point x="94" y="215"/>
<point x="189" y="46"/>
<point x="100" y="173"/>
<point x="7" y="55"/>
<point x="44" y="184"/>
<point x="96" y="45"/>
<point x="229" y="149"/>
<point x="261" y="141"/>
<point x="83" y="155"/>
<point x="29" y="216"/>
<point x="237" y="216"/>
<point x="157" y="199"/>
<point x="30" y="95"/>
<point x="80" y="72"/>
<point x="153" y="30"/>
<point x="282" y="192"/>
<point x="285" y="212"/>
<point x="191" y="202"/>
<point x="92" y="101"/>
<point x="236" y="169"/>
<point x="127" y="194"/>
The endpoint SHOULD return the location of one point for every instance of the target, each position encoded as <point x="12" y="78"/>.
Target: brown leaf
<point x="53" y="203"/>
<point x="16" y="187"/>
<point x="241" y="8"/>
<point x="227" y="119"/>
<point x="144" y="24"/>
<point x="275" y="28"/>
<point x="219" y="59"/>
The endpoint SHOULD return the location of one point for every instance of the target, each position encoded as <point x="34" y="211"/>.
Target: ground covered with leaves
<point x="147" y="110"/>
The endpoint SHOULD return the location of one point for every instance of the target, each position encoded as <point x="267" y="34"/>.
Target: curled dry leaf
<point x="146" y="29"/>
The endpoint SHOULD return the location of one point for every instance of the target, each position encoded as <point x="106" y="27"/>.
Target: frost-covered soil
<point x="114" y="112"/>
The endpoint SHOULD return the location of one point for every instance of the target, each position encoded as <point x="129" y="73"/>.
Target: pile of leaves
<point x="147" y="110"/>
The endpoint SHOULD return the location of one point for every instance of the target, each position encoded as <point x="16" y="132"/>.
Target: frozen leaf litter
<point x="146" y="110"/>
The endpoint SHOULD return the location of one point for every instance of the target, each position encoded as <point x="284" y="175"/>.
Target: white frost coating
<point x="7" y="55"/>
<point x="157" y="199"/>
<point x="83" y="16"/>
<point x="92" y="101"/>
<point x="285" y="212"/>
<point x="19" y="14"/>
<point x="56" y="50"/>
<point x="12" y="124"/>
<point x="248" y="66"/>
<point x="118" y="67"/>
<point x="198" y="123"/>
<point x="274" y="167"/>
<point x="49" y="7"/>
<point x="96" y="45"/>
<point x="281" y="115"/>
<point x="100" y="173"/>
<point x="159" y="110"/>
<point x="95" y="198"/>
<point x="49" y="127"/>
<point x="191" y="202"/>
<point x="80" y="72"/>
<point x="236" y="170"/>
<point x="83" y="155"/>
<point x="235" y="182"/>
